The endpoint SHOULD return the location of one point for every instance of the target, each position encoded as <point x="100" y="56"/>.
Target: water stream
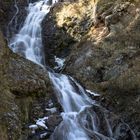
<point x="81" y="119"/>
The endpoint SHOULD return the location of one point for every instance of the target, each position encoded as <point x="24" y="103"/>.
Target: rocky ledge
<point x="25" y="95"/>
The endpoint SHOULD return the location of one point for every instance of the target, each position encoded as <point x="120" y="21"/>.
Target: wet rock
<point x="124" y="132"/>
<point x="53" y="121"/>
<point x="12" y="15"/>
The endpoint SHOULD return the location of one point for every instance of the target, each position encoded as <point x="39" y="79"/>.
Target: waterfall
<point x="81" y="120"/>
<point x="28" y="41"/>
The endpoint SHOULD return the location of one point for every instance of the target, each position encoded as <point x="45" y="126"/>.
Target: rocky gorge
<point x="99" y="41"/>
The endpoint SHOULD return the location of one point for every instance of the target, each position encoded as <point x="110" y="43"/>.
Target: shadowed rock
<point x="22" y="84"/>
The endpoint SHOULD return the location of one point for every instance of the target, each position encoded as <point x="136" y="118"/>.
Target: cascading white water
<point x="71" y="99"/>
<point x="80" y="120"/>
<point x="28" y="41"/>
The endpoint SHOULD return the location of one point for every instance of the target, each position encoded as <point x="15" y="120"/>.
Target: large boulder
<point x="107" y="61"/>
<point x="24" y="87"/>
<point x="64" y="26"/>
<point x="12" y="15"/>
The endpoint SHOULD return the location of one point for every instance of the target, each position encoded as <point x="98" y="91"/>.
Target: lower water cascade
<point x="83" y="118"/>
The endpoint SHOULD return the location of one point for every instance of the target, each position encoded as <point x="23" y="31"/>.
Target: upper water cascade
<point x="28" y="41"/>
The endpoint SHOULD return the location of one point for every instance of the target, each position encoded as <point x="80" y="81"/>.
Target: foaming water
<point x="28" y="41"/>
<point x="83" y="118"/>
<point x="80" y="121"/>
<point x="70" y="94"/>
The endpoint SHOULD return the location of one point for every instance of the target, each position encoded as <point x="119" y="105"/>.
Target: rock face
<point x="12" y="15"/>
<point x="22" y="85"/>
<point x="104" y="50"/>
<point x="61" y="32"/>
